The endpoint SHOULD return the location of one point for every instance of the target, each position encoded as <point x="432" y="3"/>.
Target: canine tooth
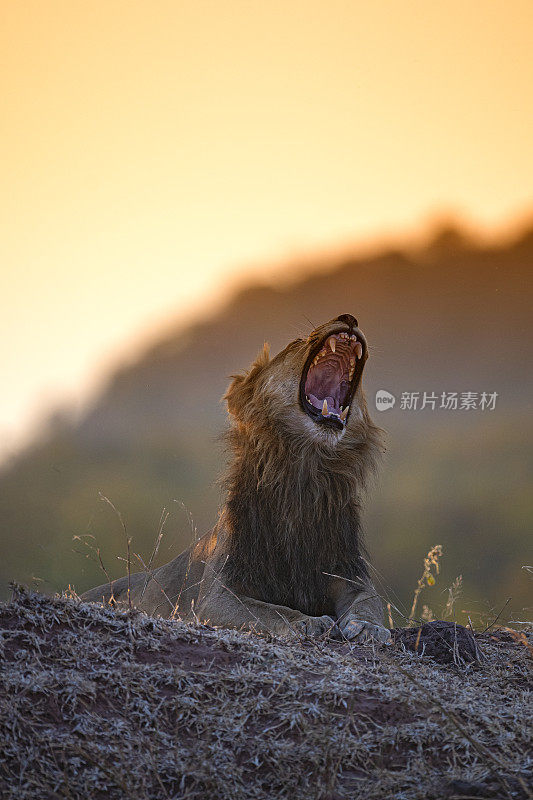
<point x="325" y="408"/>
<point x="331" y="342"/>
<point x="358" y="349"/>
<point x="344" y="413"/>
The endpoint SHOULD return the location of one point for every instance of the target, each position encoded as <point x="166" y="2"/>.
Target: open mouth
<point x="330" y="377"/>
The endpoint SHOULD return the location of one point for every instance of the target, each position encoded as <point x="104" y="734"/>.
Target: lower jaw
<point x="337" y="419"/>
<point x="328" y="423"/>
<point x="332" y="422"/>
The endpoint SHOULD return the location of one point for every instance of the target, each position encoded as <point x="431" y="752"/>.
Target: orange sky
<point x="152" y="152"/>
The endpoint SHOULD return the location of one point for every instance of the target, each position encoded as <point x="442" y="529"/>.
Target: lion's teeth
<point x="331" y="342"/>
<point x="344" y="413"/>
<point x="325" y="408"/>
<point x="353" y="337"/>
<point x="352" y="361"/>
<point x="358" y="349"/>
<point x="350" y="374"/>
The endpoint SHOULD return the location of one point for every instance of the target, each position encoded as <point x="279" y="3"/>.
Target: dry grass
<point x="426" y="579"/>
<point x="102" y="704"/>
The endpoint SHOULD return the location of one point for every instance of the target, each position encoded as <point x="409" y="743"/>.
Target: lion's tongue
<point x="323" y="383"/>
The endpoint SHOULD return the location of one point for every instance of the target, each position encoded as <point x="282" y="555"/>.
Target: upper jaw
<point x="331" y="376"/>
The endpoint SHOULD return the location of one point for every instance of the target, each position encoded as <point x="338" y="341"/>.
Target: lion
<point x="286" y="556"/>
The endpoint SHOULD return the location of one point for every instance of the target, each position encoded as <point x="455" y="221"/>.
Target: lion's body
<point x="286" y="553"/>
<point x="170" y="590"/>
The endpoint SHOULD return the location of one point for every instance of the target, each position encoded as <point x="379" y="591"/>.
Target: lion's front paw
<point x="360" y="630"/>
<point x="314" y="626"/>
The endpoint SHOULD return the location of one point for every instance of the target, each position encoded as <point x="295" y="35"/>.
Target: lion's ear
<point x="234" y="394"/>
<point x="241" y="388"/>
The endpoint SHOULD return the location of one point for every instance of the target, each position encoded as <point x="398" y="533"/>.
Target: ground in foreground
<point x="96" y="703"/>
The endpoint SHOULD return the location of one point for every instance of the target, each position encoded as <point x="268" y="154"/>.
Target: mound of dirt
<point x="446" y="642"/>
<point x="102" y="704"/>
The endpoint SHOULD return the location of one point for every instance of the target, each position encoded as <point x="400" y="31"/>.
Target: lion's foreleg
<point x="360" y="614"/>
<point x="219" y="605"/>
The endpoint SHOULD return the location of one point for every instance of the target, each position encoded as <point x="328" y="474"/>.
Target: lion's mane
<point x="293" y="510"/>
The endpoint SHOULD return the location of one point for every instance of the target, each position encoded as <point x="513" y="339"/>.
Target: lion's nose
<point x="349" y="320"/>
